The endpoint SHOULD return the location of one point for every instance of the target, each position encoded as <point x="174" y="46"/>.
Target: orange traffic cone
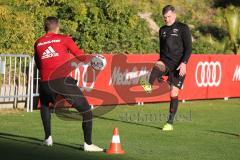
<point x="115" y="147"/>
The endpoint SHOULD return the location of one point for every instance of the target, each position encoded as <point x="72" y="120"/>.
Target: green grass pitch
<point x="203" y="130"/>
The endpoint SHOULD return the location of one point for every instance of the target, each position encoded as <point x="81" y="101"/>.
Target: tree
<point x="233" y="26"/>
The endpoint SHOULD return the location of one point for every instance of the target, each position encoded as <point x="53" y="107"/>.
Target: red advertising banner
<point x="208" y="77"/>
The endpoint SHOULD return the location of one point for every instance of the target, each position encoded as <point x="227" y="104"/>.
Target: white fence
<point x="17" y="81"/>
<point x="34" y="86"/>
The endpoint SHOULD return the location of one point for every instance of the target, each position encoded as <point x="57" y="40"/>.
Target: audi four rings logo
<point x="208" y="74"/>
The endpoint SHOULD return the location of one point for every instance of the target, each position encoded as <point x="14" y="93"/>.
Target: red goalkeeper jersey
<point x="53" y="51"/>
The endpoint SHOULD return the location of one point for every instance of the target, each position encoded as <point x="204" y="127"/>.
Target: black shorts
<point x="175" y="79"/>
<point x="66" y="87"/>
<point x="173" y="75"/>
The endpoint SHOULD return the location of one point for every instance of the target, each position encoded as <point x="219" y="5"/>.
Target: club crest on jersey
<point x="175" y="30"/>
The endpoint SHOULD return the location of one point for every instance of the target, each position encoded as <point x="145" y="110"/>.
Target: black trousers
<point x="67" y="88"/>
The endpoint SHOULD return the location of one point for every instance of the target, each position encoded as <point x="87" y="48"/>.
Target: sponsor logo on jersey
<point x="49" y="42"/>
<point x="49" y="53"/>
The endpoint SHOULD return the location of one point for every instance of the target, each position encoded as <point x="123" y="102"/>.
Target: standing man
<point x="52" y="51"/>
<point x="175" y="51"/>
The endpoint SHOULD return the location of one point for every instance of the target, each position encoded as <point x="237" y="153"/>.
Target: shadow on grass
<point x="128" y="122"/>
<point x="34" y="141"/>
<point x="20" y="147"/>
<point x="225" y="133"/>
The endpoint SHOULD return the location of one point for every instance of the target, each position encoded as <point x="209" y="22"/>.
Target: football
<point x="98" y="62"/>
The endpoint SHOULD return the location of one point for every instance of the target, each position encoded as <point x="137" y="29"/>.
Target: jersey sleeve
<point x="160" y="44"/>
<point x="37" y="62"/>
<point x="73" y="48"/>
<point x="187" y="44"/>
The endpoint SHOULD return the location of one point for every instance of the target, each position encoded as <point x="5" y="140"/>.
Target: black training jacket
<point x="175" y="44"/>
